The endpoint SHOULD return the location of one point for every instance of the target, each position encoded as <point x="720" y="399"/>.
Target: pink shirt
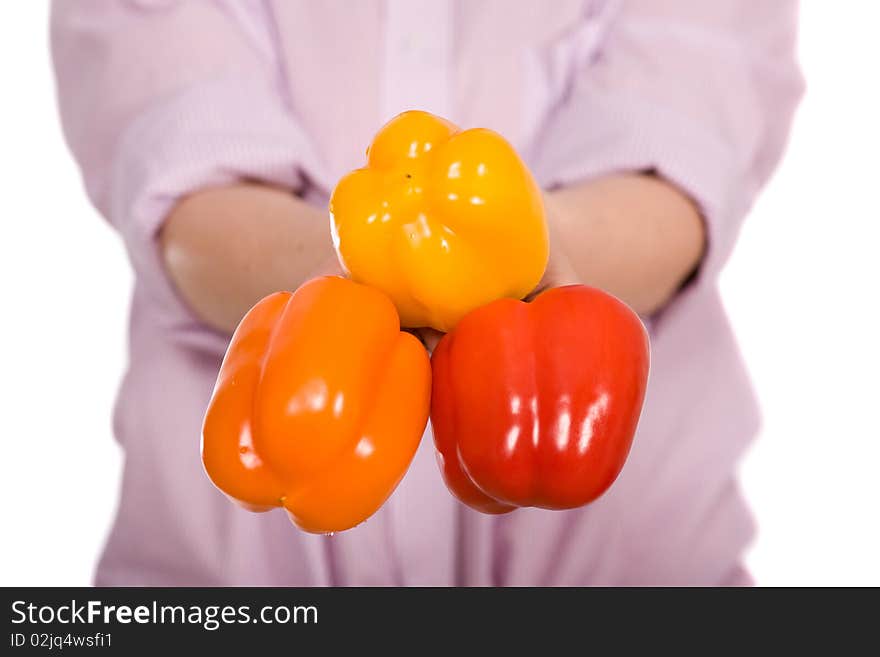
<point x="161" y="97"/>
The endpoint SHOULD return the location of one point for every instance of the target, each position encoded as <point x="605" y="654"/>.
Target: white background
<point x="802" y="290"/>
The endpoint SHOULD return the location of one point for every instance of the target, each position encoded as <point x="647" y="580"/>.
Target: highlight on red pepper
<point x="442" y="220"/>
<point x="536" y="404"/>
<point x="319" y="406"/>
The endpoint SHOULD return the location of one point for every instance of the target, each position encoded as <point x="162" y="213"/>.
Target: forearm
<point x="633" y="235"/>
<point x="226" y="248"/>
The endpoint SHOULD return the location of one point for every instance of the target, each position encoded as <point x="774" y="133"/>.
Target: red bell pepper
<point x="536" y="404"/>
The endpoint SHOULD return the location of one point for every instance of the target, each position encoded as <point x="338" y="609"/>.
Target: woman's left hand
<point x="559" y="270"/>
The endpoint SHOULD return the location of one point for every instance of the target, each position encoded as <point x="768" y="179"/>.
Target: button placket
<point x="418" y="61"/>
<point x="418" y="57"/>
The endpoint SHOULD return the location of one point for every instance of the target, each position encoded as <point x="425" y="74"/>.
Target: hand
<point x="328" y="267"/>
<point x="633" y="235"/>
<point x="559" y="270"/>
<point x="225" y="248"/>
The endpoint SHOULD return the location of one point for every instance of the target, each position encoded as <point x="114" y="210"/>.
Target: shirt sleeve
<point x="702" y="93"/>
<point x="159" y="98"/>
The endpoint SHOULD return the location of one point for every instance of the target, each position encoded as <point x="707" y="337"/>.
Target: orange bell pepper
<point x="442" y="220"/>
<point x="319" y="406"/>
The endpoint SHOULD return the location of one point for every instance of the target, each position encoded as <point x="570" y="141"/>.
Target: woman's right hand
<point x="226" y="248"/>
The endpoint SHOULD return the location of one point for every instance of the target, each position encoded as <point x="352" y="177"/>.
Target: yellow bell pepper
<point x="442" y="220"/>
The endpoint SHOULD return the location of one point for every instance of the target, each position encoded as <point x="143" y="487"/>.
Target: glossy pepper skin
<point x="442" y="220"/>
<point x="536" y="404"/>
<point x="319" y="405"/>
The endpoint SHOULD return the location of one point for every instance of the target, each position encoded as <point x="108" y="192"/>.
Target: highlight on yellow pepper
<point x="442" y="220"/>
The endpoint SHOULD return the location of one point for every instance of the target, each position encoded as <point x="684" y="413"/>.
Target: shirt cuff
<point x="601" y="135"/>
<point x="213" y="134"/>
